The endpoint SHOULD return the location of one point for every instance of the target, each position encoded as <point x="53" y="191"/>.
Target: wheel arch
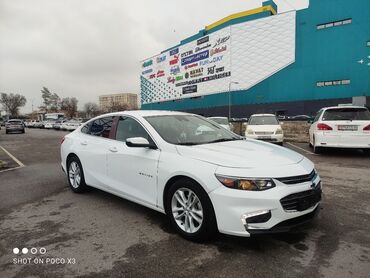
<point x="175" y="178"/>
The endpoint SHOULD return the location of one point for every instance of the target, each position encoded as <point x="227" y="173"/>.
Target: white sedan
<point x="222" y="121"/>
<point x="205" y="178"/>
<point x="341" y="127"/>
<point x="265" y="127"/>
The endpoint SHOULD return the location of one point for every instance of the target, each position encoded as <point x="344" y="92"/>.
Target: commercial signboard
<point x="240" y="52"/>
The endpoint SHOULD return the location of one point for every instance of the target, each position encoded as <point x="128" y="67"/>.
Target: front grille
<point x="302" y="200"/>
<point x="298" y="179"/>
<point x="263" y="133"/>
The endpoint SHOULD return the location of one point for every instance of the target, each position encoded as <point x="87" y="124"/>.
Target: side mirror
<point x="310" y="121"/>
<point x="139" y="142"/>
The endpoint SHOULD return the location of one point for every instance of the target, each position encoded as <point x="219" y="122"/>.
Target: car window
<point x="86" y="128"/>
<point x="221" y="121"/>
<point x="189" y="130"/>
<point x="342" y="114"/>
<point x="101" y="127"/>
<point x="128" y="128"/>
<point x="317" y="116"/>
<point x="263" y="120"/>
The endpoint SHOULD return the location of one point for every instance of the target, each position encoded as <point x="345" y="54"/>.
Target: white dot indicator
<point x="42" y="250"/>
<point x="25" y="250"/>
<point x="33" y="250"/>
<point x="16" y="251"/>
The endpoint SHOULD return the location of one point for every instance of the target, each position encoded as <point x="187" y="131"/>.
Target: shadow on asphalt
<point x="224" y="243"/>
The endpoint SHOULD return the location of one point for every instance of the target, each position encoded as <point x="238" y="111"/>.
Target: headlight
<point x="279" y="131"/>
<point x="251" y="184"/>
<point x="249" y="131"/>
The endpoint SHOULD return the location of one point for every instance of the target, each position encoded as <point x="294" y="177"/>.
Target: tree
<point x="12" y="102"/>
<point x="51" y="100"/>
<point x="116" y="106"/>
<point x="69" y="106"/>
<point x="91" y="109"/>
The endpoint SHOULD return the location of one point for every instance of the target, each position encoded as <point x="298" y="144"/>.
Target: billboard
<point x="245" y="53"/>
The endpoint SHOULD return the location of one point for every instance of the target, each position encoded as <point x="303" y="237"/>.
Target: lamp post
<point x="231" y="82"/>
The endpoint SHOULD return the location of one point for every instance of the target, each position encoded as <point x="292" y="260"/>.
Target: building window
<point x="368" y="43"/>
<point x="332" y="83"/>
<point x="333" y="24"/>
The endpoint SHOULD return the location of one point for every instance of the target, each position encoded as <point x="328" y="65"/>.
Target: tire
<point x="316" y="150"/>
<point x="75" y="175"/>
<point x="198" y="221"/>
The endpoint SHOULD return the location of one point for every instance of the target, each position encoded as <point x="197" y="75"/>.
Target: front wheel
<point x="190" y="210"/>
<point x="75" y="174"/>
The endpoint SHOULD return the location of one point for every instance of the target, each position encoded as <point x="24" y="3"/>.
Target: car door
<point x="93" y="144"/>
<point x="132" y="171"/>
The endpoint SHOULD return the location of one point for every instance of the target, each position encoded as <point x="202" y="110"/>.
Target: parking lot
<point x="100" y="235"/>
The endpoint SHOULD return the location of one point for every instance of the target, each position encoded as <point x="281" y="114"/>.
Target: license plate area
<point x="347" y="127"/>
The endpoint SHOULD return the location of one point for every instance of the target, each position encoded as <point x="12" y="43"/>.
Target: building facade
<point x="264" y="61"/>
<point x="106" y="102"/>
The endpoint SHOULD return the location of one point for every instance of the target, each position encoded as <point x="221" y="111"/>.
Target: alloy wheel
<point x="74" y="173"/>
<point x="187" y="210"/>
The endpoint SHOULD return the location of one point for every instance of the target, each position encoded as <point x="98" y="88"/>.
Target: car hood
<point x="241" y="154"/>
<point x="271" y="128"/>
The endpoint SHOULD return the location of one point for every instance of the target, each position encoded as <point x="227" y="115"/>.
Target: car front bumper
<point x="234" y="207"/>
<point x="274" y="138"/>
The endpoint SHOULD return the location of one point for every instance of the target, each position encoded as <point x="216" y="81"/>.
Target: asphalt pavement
<point x="100" y="235"/>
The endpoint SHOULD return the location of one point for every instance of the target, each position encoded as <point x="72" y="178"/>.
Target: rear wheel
<point x="75" y="175"/>
<point x="190" y="210"/>
<point x="316" y="149"/>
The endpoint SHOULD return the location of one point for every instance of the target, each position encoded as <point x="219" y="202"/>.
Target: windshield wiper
<point x="224" y="140"/>
<point x="188" y="144"/>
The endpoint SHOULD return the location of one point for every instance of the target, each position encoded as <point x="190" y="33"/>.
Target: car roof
<point x="344" y="107"/>
<point x="146" y="113"/>
<point x="258" y="115"/>
<point x="215" y="117"/>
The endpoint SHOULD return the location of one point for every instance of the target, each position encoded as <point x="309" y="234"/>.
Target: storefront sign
<point x="190" y="89"/>
<point x="203" y="40"/>
<point x="195" y="57"/>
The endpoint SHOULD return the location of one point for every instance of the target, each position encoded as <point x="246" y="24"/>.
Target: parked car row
<point x="62" y="124"/>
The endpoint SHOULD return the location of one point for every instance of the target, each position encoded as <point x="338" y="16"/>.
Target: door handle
<point x="83" y="143"/>
<point x="113" y="149"/>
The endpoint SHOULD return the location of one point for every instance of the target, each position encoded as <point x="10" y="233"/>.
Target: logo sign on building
<point x="147" y="63"/>
<point x="174" y="51"/>
<point x="195" y="57"/>
<point x="161" y="59"/>
<point x="190" y="89"/>
<point x="203" y="40"/>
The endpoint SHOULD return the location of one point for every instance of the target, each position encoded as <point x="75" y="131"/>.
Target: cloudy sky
<point x="85" y="48"/>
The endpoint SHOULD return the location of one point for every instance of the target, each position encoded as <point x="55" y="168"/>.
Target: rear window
<point x="15" y="121"/>
<point x="352" y="114"/>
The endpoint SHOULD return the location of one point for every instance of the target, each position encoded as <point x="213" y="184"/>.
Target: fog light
<point x="261" y="216"/>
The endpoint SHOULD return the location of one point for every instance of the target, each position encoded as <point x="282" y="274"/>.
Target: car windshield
<point x="189" y="130"/>
<point x="221" y="121"/>
<point x="263" y="120"/>
<point x="352" y="114"/>
<point x="15" y="121"/>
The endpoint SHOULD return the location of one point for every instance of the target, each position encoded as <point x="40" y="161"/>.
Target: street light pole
<point x="231" y="82"/>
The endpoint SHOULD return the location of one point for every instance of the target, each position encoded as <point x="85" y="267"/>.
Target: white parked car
<point x="341" y="127"/>
<point x="222" y="121"/>
<point x="265" y="127"/>
<point x="49" y="124"/>
<point x="204" y="181"/>
<point x="72" y="125"/>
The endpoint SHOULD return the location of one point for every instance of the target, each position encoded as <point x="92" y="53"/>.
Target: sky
<point x="86" y="48"/>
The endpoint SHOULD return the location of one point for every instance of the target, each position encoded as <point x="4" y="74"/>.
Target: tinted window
<point x="101" y="127"/>
<point x="317" y="116"/>
<point x="128" y="128"/>
<point x="86" y="128"/>
<point x="359" y="114"/>
<point x="263" y="120"/>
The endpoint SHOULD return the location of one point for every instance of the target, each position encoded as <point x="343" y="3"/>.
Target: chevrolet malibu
<point x="204" y="177"/>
